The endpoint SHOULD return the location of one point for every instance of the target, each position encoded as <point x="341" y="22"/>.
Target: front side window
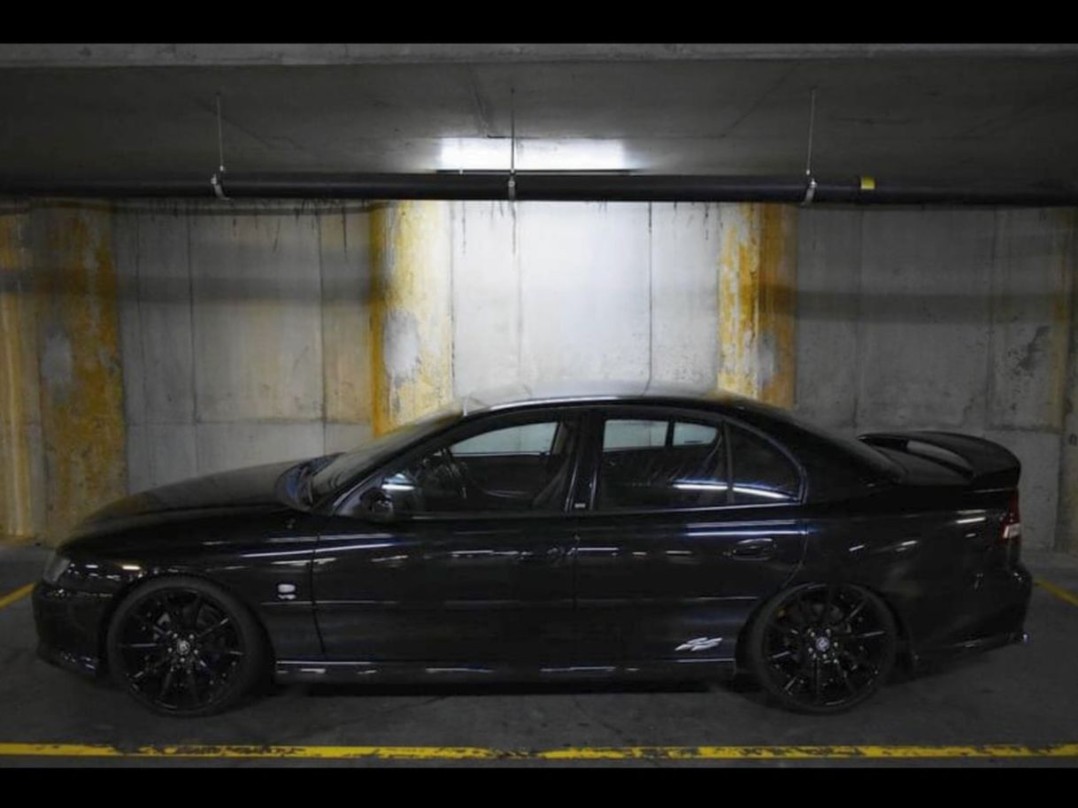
<point x="661" y="463"/>
<point x="514" y="468"/>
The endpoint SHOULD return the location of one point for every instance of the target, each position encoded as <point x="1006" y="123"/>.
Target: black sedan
<point x="633" y="531"/>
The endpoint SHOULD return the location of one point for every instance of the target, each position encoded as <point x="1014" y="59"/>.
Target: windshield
<point x="350" y="464"/>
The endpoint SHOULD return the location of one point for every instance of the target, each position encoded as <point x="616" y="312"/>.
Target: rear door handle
<point x="753" y="549"/>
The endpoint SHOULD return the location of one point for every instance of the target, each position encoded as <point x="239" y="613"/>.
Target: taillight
<point x="1011" y="529"/>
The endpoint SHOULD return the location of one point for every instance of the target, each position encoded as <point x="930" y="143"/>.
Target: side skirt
<point x="291" y="670"/>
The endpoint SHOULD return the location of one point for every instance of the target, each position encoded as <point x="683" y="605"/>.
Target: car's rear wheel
<point x="185" y="647"/>
<point x="822" y="648"/>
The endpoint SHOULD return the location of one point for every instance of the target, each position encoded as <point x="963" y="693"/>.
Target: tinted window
<point x="524" y="439"/>
<point x="634" y="434"/>
<point x="762" y="473"/>
<point x="661" y="464"/>
<point x="686" y="434"/>
<point x="519" y="468"/>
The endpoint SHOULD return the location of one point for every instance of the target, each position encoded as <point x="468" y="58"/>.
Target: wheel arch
<point x="133" y="586"/>
<point x="906" y="651"/>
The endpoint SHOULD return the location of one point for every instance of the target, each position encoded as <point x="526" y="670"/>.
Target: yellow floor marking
<point x="1061" y="593"/>
<point x="992" y="751"/>
<point x="18" y="594"/>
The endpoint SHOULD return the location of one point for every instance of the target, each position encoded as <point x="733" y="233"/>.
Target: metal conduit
<point x="547" y="187"/>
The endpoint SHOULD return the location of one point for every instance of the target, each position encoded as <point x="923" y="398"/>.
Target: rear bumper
<point x="69" y="627"/>
<point x="1002" y="603"/>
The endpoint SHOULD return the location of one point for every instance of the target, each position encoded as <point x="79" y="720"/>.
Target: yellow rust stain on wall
<point x="757" y="317"/>
<point x="18" y="382"/>
<point x="81" y="376"/>
<point x="411" y="312"/>
<point x="346" y="318"/>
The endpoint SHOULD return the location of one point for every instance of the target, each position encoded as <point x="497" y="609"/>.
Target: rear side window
<point x="762" y="474"/>
<point x="661" y="463"/>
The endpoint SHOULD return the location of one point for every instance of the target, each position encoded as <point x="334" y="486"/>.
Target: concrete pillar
<point x="81" y="381"/>
<point x="411" y="311"/>
<point x="345" y="256"/>
<point x="21" y="478"/>
<point x="1067" y="523"/>
<point x="757" y="293"/>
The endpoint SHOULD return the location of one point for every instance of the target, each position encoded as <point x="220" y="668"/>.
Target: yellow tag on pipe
<point x="868" y="183"/>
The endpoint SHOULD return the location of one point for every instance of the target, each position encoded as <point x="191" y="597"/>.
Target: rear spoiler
<point x="983" y="463"/>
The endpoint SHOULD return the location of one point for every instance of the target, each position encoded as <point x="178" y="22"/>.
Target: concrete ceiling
<point x="930" y="113"/>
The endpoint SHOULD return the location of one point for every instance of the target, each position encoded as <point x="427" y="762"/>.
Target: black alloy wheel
<point x="822" y="648"/>
<point x="185" y="647"/>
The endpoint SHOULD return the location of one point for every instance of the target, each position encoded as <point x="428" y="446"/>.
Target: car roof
<point x="574" y="392"/>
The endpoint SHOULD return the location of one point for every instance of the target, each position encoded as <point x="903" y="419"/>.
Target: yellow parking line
<point x="679" y="753"/>
<point x="18" y="594"/>
<point x="1063" y="594"/>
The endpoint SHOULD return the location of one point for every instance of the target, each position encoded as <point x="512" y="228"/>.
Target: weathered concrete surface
<point x="1067" y="530"/>
<point x="246" y="334"/>
<point x="256" y="294"/>
<point x="487" y="289"/>
<point x="345" y="262"/>
<point x="685" y="243"/>
<point x="411" y="311"/>
<point x="828" y="321"/>
<point x="757" y="282"/>
<point x="258" y="332"/>
<point x="1031" y="311"/>
<point x="944" y="320"/>
<point x="344" y="437"/>
<point x="924" y="317"/>
<point x="585" y="291"/>
<point x="159" y="454"/>
<point x="22" y="501"/>
<point x="81" y="383"/>
<point x="224" y="446"/>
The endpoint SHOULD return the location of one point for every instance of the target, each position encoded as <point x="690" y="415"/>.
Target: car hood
<point x="246" y="489"/>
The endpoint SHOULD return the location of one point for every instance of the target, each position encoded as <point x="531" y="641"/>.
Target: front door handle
<point x="753" y="550"/>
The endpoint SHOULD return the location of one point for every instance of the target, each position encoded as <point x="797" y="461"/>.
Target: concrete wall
<point x="944" y="319"/>
<point x="576" y="291"/>
<point x="61" y="394"/>
<point x="237" y="334"/>
<point x="245" y="334"/>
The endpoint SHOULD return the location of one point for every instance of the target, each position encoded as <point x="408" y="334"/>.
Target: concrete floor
<point x="1021" y="695"/>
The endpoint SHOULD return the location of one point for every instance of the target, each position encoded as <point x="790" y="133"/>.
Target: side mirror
<point x="378" y="506"/>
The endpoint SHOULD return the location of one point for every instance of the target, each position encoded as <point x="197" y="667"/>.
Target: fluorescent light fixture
<point x="493" y="154"/>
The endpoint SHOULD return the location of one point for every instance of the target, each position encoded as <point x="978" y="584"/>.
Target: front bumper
<point x="70" y="627"/>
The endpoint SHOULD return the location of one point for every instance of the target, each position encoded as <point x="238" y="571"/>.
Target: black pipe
<point x="584" y="187"/>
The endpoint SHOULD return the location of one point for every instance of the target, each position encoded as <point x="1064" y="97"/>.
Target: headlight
<point x="55" y="567"/>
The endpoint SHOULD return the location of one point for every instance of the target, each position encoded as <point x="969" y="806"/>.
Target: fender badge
<point x="699" y="644"/>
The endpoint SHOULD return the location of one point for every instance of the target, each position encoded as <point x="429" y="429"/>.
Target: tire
<point x="822" y="648"/>
<point x="184" y="647"/>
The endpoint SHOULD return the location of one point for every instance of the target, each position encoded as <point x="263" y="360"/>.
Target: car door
<point x="473" y="568"/>
<point x="691" y="520"/>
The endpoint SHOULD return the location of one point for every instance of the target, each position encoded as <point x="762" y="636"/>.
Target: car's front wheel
<point x="185" y="647"/>
<point x="822" y="648"/>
